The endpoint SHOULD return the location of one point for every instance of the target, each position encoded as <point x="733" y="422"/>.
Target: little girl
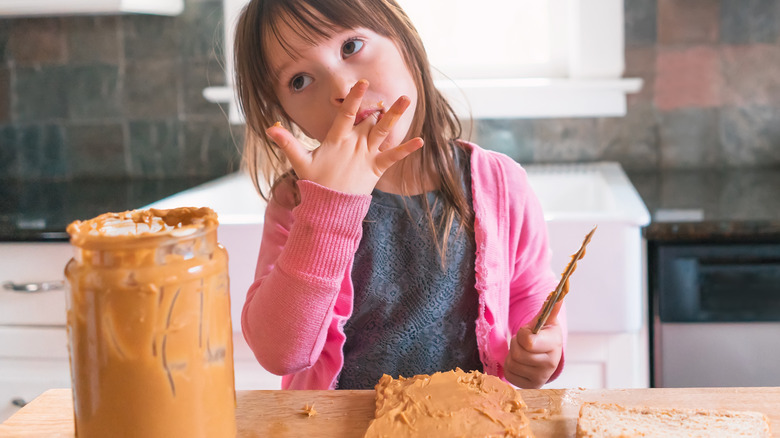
<point x="389" y="245"/>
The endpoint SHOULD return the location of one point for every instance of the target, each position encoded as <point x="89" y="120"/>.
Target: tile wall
<point x="120" y="96"/>
<point x="711" y="95"/>
<point x="113" y="96"/>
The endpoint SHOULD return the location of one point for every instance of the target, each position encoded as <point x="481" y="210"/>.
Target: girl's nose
<point x="340" y="86"/>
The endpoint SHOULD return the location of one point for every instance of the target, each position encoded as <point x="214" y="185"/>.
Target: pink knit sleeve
<point x="533" y="277"/>
<point x="304" y="255"/>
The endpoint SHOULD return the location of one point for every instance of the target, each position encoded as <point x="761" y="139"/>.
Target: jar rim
<point x="141" y="227"/>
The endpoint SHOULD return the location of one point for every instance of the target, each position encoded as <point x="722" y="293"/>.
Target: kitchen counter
<point x="711" y="205"/>
<point x="553" y="412"/>
<point x="41" y="210"/>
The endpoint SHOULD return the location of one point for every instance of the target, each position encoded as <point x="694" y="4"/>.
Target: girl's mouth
<point x="364" y="114"/>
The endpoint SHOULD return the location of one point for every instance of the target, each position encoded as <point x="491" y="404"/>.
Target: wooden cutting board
<point x="346" y="414"/>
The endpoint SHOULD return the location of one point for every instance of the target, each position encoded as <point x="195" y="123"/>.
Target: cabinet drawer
<point x="23" y="263"/>
<point x="23" y="380"/>
<point x="34" y="343"/>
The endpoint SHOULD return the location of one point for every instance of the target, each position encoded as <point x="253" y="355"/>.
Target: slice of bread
<point x="598" y="420"/>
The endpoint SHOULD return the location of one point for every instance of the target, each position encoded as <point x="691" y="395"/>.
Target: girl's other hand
<point x="533" y="358"/>
<point x="352" y="157"/>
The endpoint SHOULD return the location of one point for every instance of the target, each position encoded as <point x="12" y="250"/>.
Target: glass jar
<point x="148" y="318"/>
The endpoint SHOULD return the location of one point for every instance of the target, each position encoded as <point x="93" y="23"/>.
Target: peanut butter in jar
<point x="148" y="318"/>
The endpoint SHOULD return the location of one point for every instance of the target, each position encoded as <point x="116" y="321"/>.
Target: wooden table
<point x="553" y="412"/>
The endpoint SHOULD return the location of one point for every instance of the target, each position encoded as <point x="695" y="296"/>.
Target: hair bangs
<point x="314" y="21"/>
<point x="298" y="17"/>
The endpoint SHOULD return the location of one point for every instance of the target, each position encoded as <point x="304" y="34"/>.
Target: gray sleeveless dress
<point x="411" y="315"/>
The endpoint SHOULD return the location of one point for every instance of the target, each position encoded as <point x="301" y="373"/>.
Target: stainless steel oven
<point x="715" y="312"/>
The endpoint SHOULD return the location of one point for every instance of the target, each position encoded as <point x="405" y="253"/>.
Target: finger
<point x="290" y="146"/>
<point x="521" y="355"/>
<point x="389" y="157"/>
<point x="384" y="126"/>
<point x="524" y="370"/>
<point x="533" y="360"/>
<point x="345" y="119"/>
<point x="548" y="339"/>
<point x="535" y="374"/>
<point x="524" y="339"/>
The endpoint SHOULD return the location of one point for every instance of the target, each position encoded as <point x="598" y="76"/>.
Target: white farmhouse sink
<point x="606" y="290"/>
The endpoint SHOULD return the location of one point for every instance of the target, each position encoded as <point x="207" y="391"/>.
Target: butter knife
<point x="562" y="289"/>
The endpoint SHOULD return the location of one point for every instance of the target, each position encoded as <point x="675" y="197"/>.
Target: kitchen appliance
<point x="715" y="314"/>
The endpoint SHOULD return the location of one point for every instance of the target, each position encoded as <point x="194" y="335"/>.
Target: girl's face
<point x="312" y="85"/>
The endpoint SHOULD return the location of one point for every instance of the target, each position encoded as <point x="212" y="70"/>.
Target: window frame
<point x="589" y="83"/>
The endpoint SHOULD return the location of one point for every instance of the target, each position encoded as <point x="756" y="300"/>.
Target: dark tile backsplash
<point x="94" y="39"/>
<point x="114" y="96"/>
<point x="641" y="27"/>
<point x="97" y="150"/>
<point x="5" y="94"/>
<point x="121" y="96"/>
<point x="33" y="42"/>
<point x="690" y="138"/>
<point x="710" y="99"/>
<point x="749" y="21"/>
<point x="688" y="21"/>
<point x="749" y="135"/>
<point x="155" y="146"/>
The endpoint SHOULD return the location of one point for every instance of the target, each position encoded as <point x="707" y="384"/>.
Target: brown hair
<point x="315" y="19"/>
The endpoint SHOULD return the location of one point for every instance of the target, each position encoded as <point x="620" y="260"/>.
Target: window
<point x="489" y="38"/>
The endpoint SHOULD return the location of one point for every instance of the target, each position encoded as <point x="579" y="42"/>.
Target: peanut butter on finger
<point x="148" y="318"/>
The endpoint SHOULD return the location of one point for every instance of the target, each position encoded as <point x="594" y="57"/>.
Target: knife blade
<point x="563" y="286"/>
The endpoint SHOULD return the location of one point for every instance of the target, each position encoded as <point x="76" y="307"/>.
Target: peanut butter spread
<point x="149" y="329"/>
<point x="448" y="404"/>
<point x="309" y="410"/>
<point x="140" y="227"/>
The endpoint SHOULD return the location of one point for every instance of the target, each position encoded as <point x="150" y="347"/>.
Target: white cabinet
<point x="33" y="345"/>
<point x="32" y="360"/>
<point x="23" y="380"/>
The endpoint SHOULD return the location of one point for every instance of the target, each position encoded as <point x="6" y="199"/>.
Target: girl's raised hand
<point x="351" y="158"/>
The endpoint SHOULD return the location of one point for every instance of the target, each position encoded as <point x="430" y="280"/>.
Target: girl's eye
<point x="351" y="47"/>
<point x="300" y="82"/>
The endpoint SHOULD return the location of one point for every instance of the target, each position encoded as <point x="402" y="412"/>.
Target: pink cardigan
<point x="295" y="310"/>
